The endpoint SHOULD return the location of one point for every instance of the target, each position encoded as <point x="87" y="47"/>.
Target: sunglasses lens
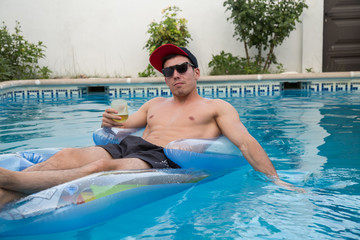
<point x="182" y="68"/>
<point x="168" y="72"/>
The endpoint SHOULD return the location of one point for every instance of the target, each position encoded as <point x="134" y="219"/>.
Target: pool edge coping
<point x="255" y="77"/>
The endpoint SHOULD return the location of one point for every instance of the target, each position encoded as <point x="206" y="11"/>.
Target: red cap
<point x="169" y="49"/>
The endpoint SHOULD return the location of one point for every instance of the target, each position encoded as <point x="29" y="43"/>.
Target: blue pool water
<point x="313" y="139"/>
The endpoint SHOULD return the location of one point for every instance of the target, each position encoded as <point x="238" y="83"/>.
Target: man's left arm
<point x="230" y="125"/>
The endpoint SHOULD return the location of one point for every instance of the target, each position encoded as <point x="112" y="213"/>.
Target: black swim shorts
<point x="136" y="147"/>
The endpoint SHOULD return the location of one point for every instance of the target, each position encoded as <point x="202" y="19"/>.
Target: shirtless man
<point x="185" y="115"/>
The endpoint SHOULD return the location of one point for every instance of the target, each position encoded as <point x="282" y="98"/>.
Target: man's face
<point x="181" y="84"/>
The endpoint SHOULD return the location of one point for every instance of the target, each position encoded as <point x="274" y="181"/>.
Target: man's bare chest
<point x="179" y="117"/>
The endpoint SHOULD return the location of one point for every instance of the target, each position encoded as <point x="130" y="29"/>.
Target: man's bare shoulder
<point x="221" y="107"/>
<point x="153" y="102"/>
<point x="156" y="100"/>
<point x="217" y="102"/>
<point x="150" y="103"/>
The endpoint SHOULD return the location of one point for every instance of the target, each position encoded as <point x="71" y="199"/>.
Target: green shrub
<point x="19" y="59"/>
<point x="264" y="25"/>
<point x="227" y="64"/>
<point x="170" y="29"/>
<point x="148" y="72"/>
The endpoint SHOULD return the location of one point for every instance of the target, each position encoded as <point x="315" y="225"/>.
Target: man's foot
<point x="7" y="196"/>
<point x="6" y="178"/>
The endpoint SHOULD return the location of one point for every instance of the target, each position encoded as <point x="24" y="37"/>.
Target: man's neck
<point x="193" y="96"/>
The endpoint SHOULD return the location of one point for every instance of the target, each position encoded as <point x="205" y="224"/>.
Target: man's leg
<point x="8" y="196"/>
<point x="70" y="158"/>
<point x="28" y="182"/>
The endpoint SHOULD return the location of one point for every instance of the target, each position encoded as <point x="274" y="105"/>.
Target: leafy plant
<point x="264" y="25"/>
<point x="19" y="59"/>
<point x="148" y="72"/>
<point x="227" y="64"/>
<point x="170" y="29"/>
<point x="309" y="70"/>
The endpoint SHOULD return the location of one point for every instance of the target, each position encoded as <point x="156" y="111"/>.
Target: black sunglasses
<point x="180" y="68"/>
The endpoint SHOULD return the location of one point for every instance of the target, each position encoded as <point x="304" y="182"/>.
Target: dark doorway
<point x="341" y="50"/>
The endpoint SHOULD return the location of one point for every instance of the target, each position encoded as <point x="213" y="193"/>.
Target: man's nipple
<point x="191" y="118"/>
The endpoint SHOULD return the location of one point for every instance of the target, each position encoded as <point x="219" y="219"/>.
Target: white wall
<point x="106" y="38"/>
<point x="313" y="28"/>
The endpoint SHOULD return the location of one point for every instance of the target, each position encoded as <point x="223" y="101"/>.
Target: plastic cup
<point x="121" y="106"/>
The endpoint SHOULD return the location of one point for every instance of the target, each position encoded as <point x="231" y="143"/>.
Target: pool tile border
<point x="218" y="86"/>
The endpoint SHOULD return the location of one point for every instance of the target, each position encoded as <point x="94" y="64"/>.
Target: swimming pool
<point x="312" y="138"/>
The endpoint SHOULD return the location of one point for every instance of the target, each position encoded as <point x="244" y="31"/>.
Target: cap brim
<point x="163" y="51"/>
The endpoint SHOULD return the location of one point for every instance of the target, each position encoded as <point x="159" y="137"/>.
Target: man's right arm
<point x="135" y="120"/>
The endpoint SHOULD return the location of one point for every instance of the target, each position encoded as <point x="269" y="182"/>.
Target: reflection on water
<point x="47" y="123"/>
<point x="343" y="124"/>
<point x="19" y="122"/>
<point x="288" y="127"/>
<point x="309" y="135"/>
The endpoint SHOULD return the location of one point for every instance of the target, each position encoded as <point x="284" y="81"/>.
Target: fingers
<point x="108" y="118"/>
<point x="289" y="186"/>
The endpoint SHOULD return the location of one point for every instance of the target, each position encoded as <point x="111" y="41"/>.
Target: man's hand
<point x="288" y="186"/>
<point x="108" y="116"/>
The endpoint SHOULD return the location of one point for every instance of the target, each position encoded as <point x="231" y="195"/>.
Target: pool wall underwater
<point x="213" y="86"/>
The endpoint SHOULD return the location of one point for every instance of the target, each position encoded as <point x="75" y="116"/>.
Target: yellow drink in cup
<point x="121" y="106"/>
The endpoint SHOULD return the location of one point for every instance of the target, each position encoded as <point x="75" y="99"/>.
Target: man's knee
<point x="65" y="159"/>
<point x="83" y="155"/>
<point x="66" y="153"/>
<point x="104" y="164"/>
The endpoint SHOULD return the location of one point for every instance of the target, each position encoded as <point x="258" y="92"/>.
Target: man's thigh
<point x="130" y="163"/>
<point x="69" y="158"/>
